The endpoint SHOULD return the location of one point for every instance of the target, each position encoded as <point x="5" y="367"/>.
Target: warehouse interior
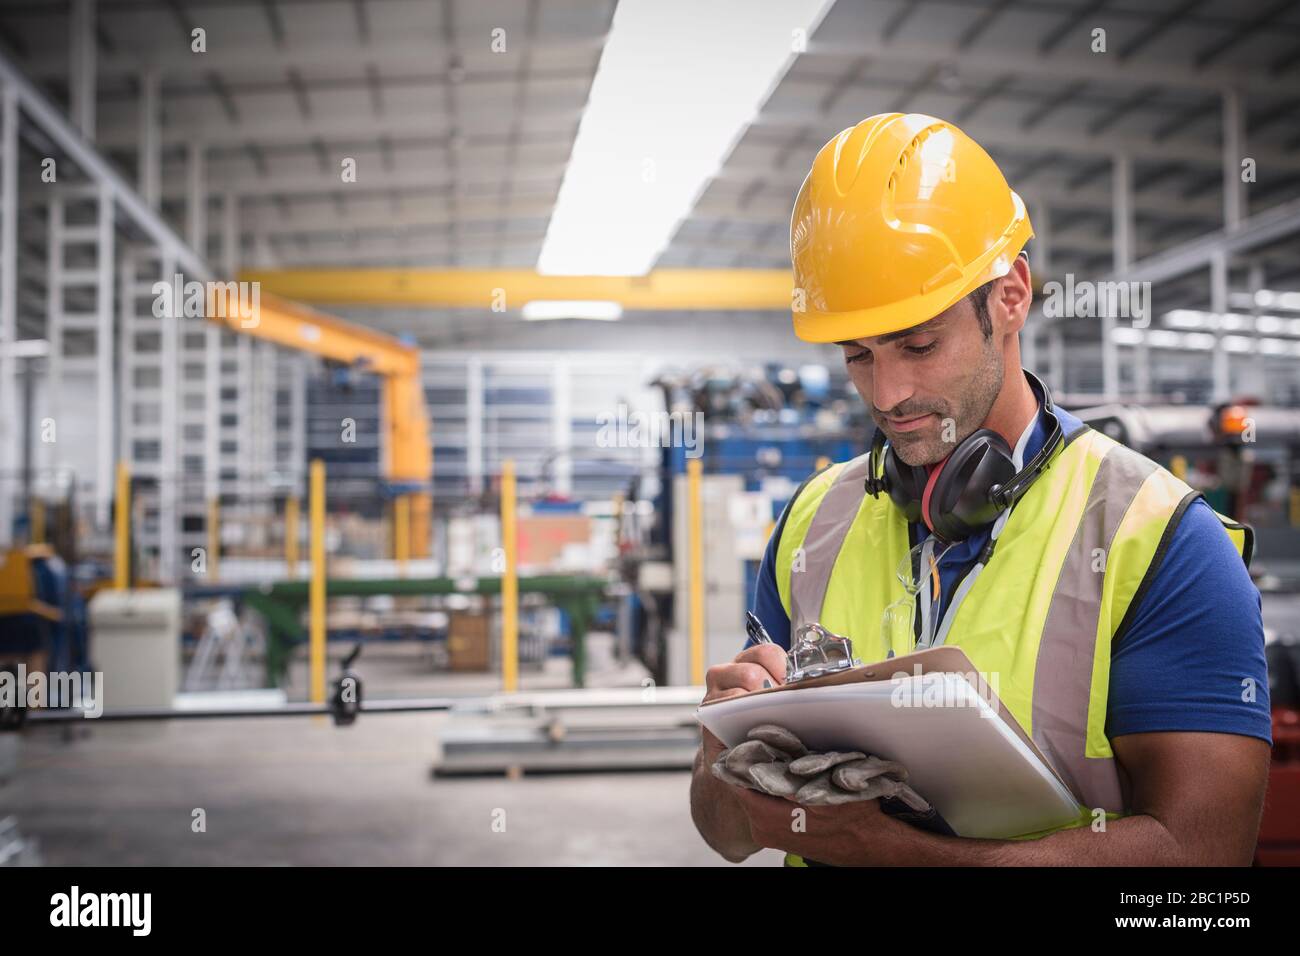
<point x="397" y="396"/>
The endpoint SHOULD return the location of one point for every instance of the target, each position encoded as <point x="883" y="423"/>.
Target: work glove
<point x="774" y="761"/>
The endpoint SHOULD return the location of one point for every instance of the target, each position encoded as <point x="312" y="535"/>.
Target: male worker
<point x="1111" y="602"/>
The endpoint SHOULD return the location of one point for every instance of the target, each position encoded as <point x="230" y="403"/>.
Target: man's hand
<point x="754" y="668"/>
<point x="715" y="806"/>
<point x="847" y="834"/>
<point x="1196" y="800"/>
<point x="762" y="665"/>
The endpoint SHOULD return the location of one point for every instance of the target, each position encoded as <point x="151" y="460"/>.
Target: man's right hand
<point x="718" y="813"/>
<point x="748" y="671"/>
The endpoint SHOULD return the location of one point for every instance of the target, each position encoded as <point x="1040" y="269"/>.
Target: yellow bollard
<point x="36" y="533"/>
<point x="402" y="532"/>
<point x="122" y="529"/>
<point x="509" y="582"/>
<point x="316" y="588"/>
<point x="695" y="533"/>
<point x="822" y="462"/>
<point x="1295" y="507"/>
<point x="214" y="539"/>
<point x="291" y="536"/>
<point x="420" y="506"/>
<point x="1178" y="465"/>
<point x="616" y="507"/>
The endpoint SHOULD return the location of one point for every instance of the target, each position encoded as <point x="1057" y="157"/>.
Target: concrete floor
<point x="299" y="791"/>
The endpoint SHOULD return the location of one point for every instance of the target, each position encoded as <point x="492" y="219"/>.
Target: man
<point x="1111" y="602"/>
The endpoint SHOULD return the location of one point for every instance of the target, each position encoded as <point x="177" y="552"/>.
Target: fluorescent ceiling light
<point x="26" y="348"/>
<point x="1268" y="298"/>
<point x="679" y="81"/>
<point x="1233" y="321"/>
<point x="558" y="309"/>
<point x="1202" y="341"/>
<point x="1185" y="319"/>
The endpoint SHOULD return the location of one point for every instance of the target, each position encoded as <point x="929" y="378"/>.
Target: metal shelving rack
<point x="190" y="408"/>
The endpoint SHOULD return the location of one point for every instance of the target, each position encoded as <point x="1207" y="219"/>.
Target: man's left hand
<point x="845" y="834"/>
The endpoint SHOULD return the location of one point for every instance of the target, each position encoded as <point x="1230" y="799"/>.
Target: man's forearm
<point x="1129" y="841"/>
<point x="718" y="815"/>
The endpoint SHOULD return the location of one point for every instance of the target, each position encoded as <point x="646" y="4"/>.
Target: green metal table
<point x="281" y="605"/>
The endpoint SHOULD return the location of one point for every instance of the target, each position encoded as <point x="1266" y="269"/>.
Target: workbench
<point x="281" y="605"/>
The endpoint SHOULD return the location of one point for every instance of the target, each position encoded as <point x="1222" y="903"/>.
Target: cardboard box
<point x="542" y="538"/>
<point x="469" y="641"/>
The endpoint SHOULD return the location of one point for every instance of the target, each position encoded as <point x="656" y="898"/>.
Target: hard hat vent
<point x="912" y="148"/>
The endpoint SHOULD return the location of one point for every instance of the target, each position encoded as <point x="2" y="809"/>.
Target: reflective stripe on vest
<point x="1039" y="620"/>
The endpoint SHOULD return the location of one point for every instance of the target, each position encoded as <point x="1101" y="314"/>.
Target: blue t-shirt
<point x="1194" y="646"/>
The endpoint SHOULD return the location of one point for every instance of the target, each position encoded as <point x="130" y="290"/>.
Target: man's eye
<point x="922" y="349"/>
<point x="858" y="357"/>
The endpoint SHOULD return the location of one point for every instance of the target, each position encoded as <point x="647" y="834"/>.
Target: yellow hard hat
<point x="900" y="217"/>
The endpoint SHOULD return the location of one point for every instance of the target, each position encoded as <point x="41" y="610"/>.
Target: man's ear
<point x="1013" y="295"/>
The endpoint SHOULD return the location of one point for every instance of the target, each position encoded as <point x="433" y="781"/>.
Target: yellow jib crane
<point x="407" y="455"/>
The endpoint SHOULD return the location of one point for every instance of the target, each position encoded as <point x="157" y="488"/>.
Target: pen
<point x="758" y="634"/>
<point x="755" y="629"/>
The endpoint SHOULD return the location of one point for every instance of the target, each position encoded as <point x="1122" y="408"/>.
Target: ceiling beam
<point x="248" y="60"/>
<point x="1200" y="151"/>
<point x="542" y="179"/>
<point x="662" y="289"/>
<point x="1261" y="229"/>
<point x="1050" y="65"/>
<point x="120" y="132"/>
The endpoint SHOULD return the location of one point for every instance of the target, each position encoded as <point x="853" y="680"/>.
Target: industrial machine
<point x="1279" y="830"/>
<point x="42" y="614"/>
<point x="757" y="434"/>
<point x="407" y="451"/>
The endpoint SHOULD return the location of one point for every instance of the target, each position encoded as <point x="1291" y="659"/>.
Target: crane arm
<point x="297" y="326"/>
<point x="407" y="452"/>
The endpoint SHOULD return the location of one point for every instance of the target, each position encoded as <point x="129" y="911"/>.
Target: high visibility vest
<point x="1070" y="564"/>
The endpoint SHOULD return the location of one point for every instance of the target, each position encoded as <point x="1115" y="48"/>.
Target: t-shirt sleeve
<point x="767" y="599"/>
<point x="1193" y="656"/>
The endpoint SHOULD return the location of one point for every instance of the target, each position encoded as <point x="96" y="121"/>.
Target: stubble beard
<point x="929" y="445"/>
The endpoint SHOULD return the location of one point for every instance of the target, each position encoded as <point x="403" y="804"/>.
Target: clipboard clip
<point x="817" y="652"/>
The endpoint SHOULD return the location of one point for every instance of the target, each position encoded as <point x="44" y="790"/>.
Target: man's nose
<point x="890" y="387"/>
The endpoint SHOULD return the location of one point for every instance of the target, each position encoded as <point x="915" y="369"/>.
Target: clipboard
<point x="971" y="759"/>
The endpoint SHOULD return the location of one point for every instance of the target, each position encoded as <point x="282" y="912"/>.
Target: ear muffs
<point x="972" y="486"/>
<point x="954" y="498"/>
<point x="961" y="494"/>
<point x="905" y="484"/>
